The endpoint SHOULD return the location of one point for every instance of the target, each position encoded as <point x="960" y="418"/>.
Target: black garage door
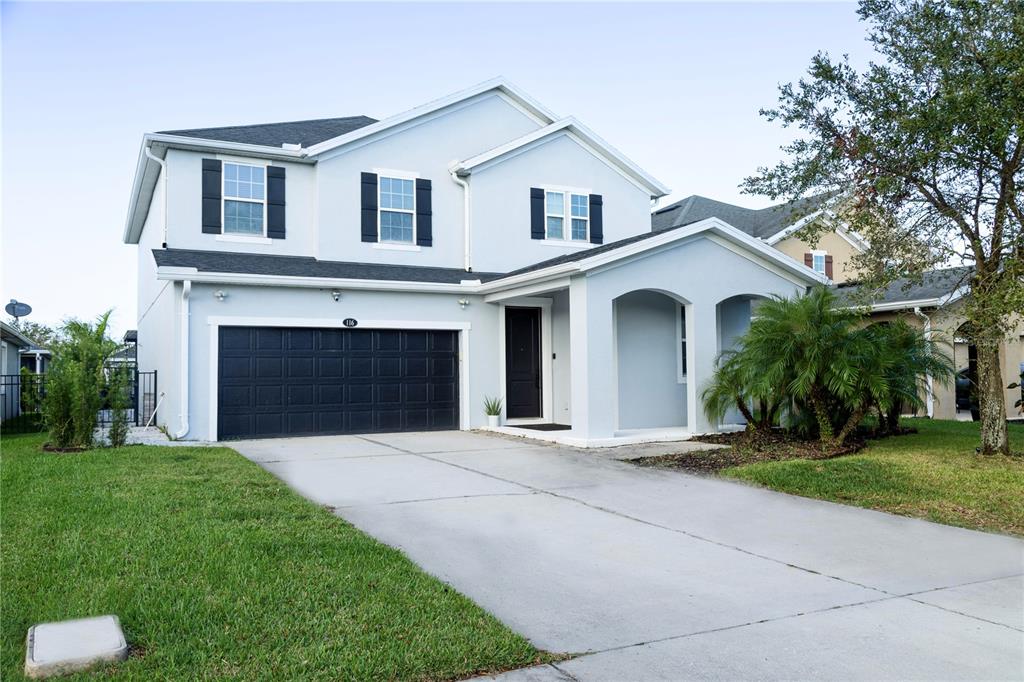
<point x="289" y="382"/>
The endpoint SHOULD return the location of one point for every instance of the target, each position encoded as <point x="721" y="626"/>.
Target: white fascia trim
<point x="786" y="232"/>
<point x="803" y="274"/>
<point x="144" y="183"/>
<point x="500" y="84"/>
<point x="174" y="274"/>
<point x="590" y="140"/>
<point x="719" y="227"/>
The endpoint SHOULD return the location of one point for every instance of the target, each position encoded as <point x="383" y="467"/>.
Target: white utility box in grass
<point x="73" y="645"/>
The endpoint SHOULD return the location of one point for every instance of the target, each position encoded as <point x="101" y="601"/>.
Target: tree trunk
<point x="825" y="433"/>
<point x="994" y="438"/>
<point x="851" y="424"/>
<point x="745" y="411"/>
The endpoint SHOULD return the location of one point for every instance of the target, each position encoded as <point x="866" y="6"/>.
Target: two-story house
<point x="350" y="275"/>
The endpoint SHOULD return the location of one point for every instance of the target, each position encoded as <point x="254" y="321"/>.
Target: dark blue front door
<point x="293" y="381"/>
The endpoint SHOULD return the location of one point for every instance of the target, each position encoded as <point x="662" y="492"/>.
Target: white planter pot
<point x="493" y="420"/>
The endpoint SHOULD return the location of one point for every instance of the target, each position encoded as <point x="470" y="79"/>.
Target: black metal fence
<point x="21" y="401"/>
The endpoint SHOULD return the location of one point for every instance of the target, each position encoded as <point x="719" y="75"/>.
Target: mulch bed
<point x="747" y="448"/>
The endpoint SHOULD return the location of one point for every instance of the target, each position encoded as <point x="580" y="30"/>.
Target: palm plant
<point x="798" y="347"/>
<point x="809" y="353"/>
<point x="916" y="355"/>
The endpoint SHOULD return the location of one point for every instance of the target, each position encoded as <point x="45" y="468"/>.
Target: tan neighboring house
<point x="775" y="226"/>
<point x="936" y="305"/>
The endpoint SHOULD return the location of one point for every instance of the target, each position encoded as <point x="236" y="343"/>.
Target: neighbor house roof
<point x="936" y="287"/>
<point x="303" y="133"/>
<point x="13" y="335"/>
<point x="304" y="266"/>
<point x="761" y="223"/>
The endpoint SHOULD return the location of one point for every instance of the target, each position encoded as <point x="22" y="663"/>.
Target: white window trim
<point x="680" y="337"/>
<point x="396" y="175"/>
<point x="224" y="198"/>
<point x="3" y="365"/>
<point x="397" y="246"/>
<point x="815" y="253"/>
<point x="566" y="216"/>
<point x="238" y="237"/>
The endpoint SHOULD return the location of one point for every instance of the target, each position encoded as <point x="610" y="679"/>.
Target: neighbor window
<point x="818" y="261"/>
<point x="557" y="205"/>
<point x="244" y="199"/>
<point x="397" y="210"/>
<point x="681" y="333"/>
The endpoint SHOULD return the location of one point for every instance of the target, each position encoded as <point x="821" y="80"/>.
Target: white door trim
<point x="546" y="378"/>
<point x="215" y="322"/>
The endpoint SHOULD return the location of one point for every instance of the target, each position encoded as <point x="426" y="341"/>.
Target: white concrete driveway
<point x="660" y="575"/>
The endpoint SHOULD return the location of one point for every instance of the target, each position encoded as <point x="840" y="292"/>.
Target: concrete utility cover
<point x="72" y="645"/>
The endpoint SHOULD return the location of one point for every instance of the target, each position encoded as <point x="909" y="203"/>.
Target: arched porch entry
<point x="650" y="360"/>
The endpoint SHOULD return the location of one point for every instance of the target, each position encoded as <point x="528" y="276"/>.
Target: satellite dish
<point x="16" y="309"/>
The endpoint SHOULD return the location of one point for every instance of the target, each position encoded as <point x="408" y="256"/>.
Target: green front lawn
<point x="933" y="474"/>
<point x="217" y="570"/>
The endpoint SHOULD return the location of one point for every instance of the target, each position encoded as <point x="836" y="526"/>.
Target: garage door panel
<point x="267" y="339"/>
<point x="269" y="396"/>
<point x="360" y="368"/>
<point x="330" y="367"/>
<point x="269" y="368"/>
<point x="281" y="382"/>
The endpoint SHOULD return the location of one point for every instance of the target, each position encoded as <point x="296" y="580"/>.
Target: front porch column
<point x="701" y="351"/>
<point x="594" y="390"/>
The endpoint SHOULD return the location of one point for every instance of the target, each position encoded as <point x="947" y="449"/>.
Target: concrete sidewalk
<point x="656" y="574"/>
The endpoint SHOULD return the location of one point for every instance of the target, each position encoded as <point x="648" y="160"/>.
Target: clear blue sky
<point x="676" y="87"/>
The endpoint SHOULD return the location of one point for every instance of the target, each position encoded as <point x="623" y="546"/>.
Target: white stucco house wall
<point x="351" y="275"/>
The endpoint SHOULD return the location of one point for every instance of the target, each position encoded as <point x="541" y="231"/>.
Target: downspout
<point x="467" y="258"/>
<point x="163" y="181"/>
<point x="186" y="290"/>
<point x="929" y="382"/>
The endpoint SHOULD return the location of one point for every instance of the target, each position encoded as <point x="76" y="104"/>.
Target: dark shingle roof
<point x="303" y="266"/>
<point x="760" y="223"/>
<point x="933" y="285"/>
<point x="305" y="133"/>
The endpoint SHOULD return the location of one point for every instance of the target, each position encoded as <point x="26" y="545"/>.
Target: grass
<point x="934" y="474"/>
<point x="219" y="571"/>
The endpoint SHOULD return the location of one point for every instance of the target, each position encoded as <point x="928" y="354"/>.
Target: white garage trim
<point x="215" y="322"/>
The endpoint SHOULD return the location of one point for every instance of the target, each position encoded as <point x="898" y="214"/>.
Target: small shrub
<point x="492" y="406"/>
<point x="119" y="400"/>
<point x="76" y="382"/>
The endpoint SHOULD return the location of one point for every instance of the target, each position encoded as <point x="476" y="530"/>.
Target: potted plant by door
<point x="492" y="408"/>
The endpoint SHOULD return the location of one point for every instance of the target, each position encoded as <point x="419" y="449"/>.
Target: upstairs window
<point x="554" y="204"/>
<point x="397" y="210"/>
<point x="818" y="261"/>
<point x="558" y="205"/>
<point x="245" y="199"/>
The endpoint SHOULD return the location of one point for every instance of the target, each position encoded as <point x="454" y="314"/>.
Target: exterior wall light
<point x="336" y="295"/>
<point x="220" y="294"/>
<point x="463" y="302"/>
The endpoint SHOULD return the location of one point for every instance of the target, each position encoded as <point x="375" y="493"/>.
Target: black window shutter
<point x="275" y="202"/>
<point x="536" y="213"/>
<point x="424" y="215"/>
<point x="211" y="196"/>
<point x="369" y="202"/>
<point x="596" y="219"/>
